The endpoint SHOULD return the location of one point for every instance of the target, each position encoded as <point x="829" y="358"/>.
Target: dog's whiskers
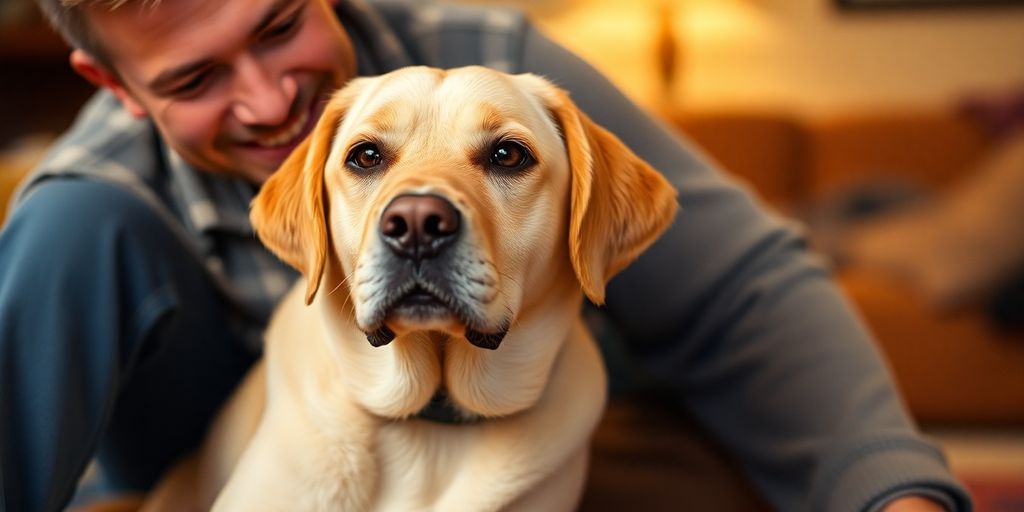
<point x="348" y="296"/>
<point x="512" y="318"/>
<point x="340" y="283"/>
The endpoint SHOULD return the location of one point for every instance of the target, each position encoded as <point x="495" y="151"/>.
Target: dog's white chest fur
<point x="428" y="466"/>
<point x="534" y="460"/>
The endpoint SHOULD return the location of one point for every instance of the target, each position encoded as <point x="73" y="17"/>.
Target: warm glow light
<point x="722" y="21"/>
<point x="801" y="55"/>
<point x="615" y="37"/>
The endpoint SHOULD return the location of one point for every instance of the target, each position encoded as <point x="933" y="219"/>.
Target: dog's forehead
<point x="472" y="96"/>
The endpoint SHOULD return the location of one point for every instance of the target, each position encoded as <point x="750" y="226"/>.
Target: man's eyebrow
<point x="272" y="13"/>
<point x="168" y="76"/>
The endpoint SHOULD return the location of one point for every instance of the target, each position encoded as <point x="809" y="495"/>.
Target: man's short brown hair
<point x="68" y="18"/>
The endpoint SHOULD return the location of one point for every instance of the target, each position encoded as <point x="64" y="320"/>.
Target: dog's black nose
<point x="419" y="226"/>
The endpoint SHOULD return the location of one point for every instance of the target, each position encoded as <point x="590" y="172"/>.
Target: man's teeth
<point x="287" y="135"/>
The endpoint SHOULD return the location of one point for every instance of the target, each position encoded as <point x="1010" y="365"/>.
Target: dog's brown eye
<point x="510" y="155"/>
<point x="365" y="156"/>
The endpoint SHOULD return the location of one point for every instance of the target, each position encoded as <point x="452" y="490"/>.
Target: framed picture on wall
<point x="923" y="3"/>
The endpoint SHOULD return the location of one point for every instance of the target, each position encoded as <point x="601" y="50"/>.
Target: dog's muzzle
<point x="420" y="229"/>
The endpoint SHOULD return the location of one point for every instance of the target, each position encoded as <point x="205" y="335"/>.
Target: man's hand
<point x="913" y="504"/>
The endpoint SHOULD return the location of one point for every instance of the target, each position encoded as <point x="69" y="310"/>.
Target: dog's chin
<point x="419" y="310"/>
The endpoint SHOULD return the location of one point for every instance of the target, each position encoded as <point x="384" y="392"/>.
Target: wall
<point x="815" y="58"/>
<point x="804" y="55"/>
<point x="618" y="38"/>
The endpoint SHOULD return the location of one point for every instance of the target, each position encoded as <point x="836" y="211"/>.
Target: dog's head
<point x="465" y="202"/>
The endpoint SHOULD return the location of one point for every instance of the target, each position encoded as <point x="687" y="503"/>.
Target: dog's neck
<point x="440" y="410"/>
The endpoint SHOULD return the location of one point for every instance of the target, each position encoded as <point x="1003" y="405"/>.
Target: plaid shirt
<point x="210" y="211"/>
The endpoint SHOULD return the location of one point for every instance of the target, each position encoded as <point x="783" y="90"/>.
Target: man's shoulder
<point x="105" y="143"/>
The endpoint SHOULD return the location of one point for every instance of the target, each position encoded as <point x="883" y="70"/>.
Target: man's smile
<point x="287" y="135"/>
<point x="273" y="147"/>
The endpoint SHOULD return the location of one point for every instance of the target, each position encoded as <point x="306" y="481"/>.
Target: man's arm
<point x="730" y="312"/>
<point x="91" y="283"/>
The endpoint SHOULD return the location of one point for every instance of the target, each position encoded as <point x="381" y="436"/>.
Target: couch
<point x="8" y="181"/>
<point x="953" y="366"/>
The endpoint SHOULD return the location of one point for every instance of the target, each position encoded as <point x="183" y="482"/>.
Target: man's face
<point x="233" y="85"/>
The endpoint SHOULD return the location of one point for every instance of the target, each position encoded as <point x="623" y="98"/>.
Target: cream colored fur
<point x="327" y="421"/>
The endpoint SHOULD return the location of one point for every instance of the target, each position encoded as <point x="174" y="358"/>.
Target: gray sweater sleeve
<point x="730" y="313"/>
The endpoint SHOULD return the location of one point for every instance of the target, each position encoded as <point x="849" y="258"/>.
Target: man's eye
<point x="364" y="156"/>
<point x="193" y="85"/>
<point x="510" y="155"/>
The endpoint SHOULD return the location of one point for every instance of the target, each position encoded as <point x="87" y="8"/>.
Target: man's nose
<point x="261" y="97"/>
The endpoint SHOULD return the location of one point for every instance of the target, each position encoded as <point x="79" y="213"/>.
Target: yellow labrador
<point x="447" y="225"/>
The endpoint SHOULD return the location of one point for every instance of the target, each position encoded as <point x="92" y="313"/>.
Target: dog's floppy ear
<point x="288" y="213"/>
<point x="619" y="203"/>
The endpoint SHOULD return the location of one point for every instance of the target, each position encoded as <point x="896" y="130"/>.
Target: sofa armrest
<point x="951" y="367"/>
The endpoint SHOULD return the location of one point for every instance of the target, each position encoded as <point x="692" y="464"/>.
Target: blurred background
<point x="893" y="129"/>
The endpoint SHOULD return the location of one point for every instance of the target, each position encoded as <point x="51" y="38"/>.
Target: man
<point x="132" y="291"/>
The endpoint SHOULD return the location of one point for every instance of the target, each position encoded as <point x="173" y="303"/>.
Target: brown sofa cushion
<point x="929" y="148"/>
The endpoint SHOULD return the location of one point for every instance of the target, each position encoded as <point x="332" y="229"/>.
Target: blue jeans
<point x="114" y="343"/>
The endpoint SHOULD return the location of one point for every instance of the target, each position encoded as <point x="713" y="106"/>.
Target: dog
<point x="447" y="225"/>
